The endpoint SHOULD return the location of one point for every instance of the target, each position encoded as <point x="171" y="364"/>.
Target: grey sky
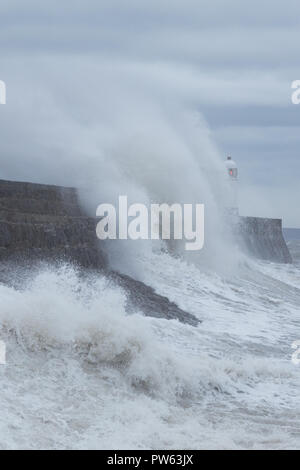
<point x="233" y="61"/>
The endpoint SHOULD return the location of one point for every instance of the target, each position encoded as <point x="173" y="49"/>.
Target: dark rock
<point x="149" y="302"/>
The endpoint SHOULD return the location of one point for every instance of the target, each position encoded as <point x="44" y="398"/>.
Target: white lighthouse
<point x="232" y="179"/>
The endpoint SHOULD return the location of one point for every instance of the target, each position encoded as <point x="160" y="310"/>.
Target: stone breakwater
<point x="46" y="223"/>
<point x="263" y="239"/>
<point x="42" y="223"/>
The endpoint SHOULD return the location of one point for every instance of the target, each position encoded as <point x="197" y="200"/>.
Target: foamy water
<point x="81" y="373"/>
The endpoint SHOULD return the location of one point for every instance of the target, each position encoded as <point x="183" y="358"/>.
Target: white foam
<point x="81" y="373"/>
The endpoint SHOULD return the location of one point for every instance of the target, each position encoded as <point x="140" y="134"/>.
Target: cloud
<point x="71" y="70"/>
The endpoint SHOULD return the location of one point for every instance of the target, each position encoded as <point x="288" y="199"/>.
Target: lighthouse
<point x="232" y="186"/>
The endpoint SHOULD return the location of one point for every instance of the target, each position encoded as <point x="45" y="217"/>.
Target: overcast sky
<point x="233" y="61"/>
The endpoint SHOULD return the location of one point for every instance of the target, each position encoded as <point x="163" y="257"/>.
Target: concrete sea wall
<point x="263" y="238"/>
<point x="46" y="222"/>
<point x="42" y="222"/>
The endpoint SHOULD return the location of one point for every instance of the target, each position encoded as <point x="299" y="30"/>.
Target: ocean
<point x="82" y="373"/>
